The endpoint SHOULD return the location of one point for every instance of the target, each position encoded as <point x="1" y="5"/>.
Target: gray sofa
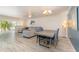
<point x="31" y="31"/>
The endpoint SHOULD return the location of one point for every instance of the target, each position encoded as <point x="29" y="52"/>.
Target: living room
<point x="48" y="18"/>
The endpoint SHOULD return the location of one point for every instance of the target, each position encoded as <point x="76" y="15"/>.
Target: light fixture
<point x="29" y="14"/>
<point x="47" y="12"/>
<point x="67" y="24"/>
<point x="71" y="23"/>
<point x="64" y="28"/>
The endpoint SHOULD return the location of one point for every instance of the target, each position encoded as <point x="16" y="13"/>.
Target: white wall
<point x="51" y="22"/>
<point x="9" y="10"/>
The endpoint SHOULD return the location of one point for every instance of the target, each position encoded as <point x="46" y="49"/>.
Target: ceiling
<point x="35" y="11"/>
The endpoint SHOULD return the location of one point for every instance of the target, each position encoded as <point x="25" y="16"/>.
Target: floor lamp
<point x="67" y="24"/>
<point x="65" y="27"/>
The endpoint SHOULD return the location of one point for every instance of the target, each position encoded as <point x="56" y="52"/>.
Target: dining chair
<point x="55" y="41"/>
<point x="47" y="41"/>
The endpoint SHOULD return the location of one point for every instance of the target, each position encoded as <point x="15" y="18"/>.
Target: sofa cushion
<point x="28" y="33"/>
<point x="36" y="29"/>
<point x="31" y="31"/>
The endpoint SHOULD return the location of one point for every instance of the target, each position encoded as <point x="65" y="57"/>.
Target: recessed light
<point x="29" y="14"/>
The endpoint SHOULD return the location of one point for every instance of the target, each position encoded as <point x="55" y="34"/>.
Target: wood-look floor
<point x="21" y="44"/>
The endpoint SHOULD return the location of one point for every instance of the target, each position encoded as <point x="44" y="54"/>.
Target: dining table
<point x="45" y="34"/>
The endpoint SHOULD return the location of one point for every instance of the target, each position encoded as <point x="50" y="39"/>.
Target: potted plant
<point x="5" y="25"/>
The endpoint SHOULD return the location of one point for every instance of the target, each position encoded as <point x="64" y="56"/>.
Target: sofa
<point x="31" y="31"/>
